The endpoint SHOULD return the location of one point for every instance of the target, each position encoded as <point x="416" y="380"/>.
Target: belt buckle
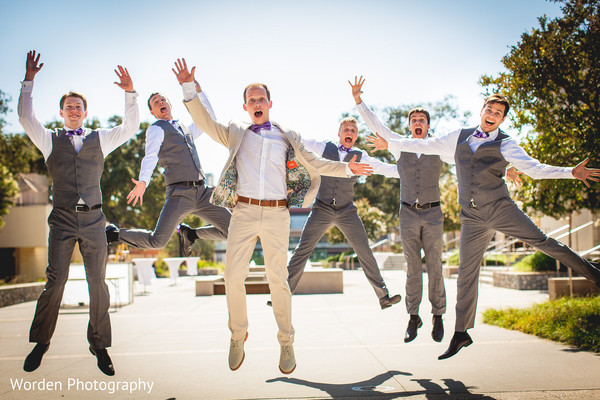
<point x="80" y="208"/>
<point x="472" y="204"/>
<point x="418" y="206"/>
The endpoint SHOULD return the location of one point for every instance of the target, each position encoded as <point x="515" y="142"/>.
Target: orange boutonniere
<point x="292" y="164"/>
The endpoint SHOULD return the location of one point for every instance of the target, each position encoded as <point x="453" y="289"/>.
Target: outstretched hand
<point x="513" y="174"/>
<point x="125" y="79"/>
<point x="137" y="193"/>
<point x="377" y="142"/>
<point x="359" y="169"/>
<point x="182" y="73"/>
<point x="31" y="65"/>
<point x="583" y="174"/>
<point x="357" y="89"/>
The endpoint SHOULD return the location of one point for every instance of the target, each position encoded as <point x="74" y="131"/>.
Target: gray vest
<point x="75" y="175"/>
<point x="178" y="156"/>
<point x="338" y="191"/>
<point x="480" y="174"/>
<point x="419" y="177"/>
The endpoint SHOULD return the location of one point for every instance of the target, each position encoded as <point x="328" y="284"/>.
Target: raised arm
<point x="194" y="129"/>
<point x="372" y="121"/>
<point x="39" y="135"/>
<point x="200" y="116"/>
<point x="112" y="138"/>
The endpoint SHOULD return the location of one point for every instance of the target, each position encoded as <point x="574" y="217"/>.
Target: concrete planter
<point x="522" y="280"/>
<point x="15" y="294"/>
<point x="559" y="287"/>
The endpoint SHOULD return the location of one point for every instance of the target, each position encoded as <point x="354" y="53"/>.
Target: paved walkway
<point x="170" y="344"/>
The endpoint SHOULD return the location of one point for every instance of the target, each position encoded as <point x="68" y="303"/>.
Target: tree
<point x="552" y="81"/>
<point x="8" y="192"/>
<point x="8" y="187"/>
<point x="372" y="218"/>
<point x="384" y="193"/>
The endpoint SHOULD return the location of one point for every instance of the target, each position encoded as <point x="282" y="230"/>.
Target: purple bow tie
<point x="77" y="132"/>
<point x="342" y="148"/>
<point x="480" y="134"/>
<point x="256" y="128"/>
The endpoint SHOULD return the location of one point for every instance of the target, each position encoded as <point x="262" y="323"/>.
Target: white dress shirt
<point x="376" y="126"/>
<point x="110" y="139"/>
<point x="261" y="165"/>
<point x="155" y="137"/>
<point x="379" y="167"/>
<point x="445" y="146"/>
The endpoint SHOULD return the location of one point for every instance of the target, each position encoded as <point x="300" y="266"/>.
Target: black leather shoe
<point x="104" y="362"/>
<point x="388" y="301"/>
<point x="414" y="323"/>
<point x="437" y="333"/>
<point x="34" y="359"/>
<point x="459" y="340"/>
<point x="112" y="233"/>
<point x="185" y="243"/>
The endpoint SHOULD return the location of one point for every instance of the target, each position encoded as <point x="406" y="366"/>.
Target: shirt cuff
<point x="189" y="90"/>
<point x="131" y="95"/>
<point x="27" y="86"/>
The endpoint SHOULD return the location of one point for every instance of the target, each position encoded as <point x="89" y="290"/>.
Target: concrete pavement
<point x="170" y="344"/>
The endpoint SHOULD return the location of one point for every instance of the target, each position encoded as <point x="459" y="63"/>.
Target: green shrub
<point x="535" y="263"/>
<point x="333" y="258"/>
<point x="453" y="259"/>
<point x="575" y="321"/>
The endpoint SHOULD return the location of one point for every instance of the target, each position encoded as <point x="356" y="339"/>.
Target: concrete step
<point x="396" y="261"/>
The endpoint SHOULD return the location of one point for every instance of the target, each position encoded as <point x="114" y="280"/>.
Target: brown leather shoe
<point x="388" y="301"/>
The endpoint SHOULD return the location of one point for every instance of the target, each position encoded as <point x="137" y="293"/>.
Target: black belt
<point x="189" y="183"/>
<point x="81" y="208"/>
<point x="422" y="206"/>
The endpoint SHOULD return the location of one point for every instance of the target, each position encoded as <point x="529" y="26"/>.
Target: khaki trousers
<point x="272" y="225"/>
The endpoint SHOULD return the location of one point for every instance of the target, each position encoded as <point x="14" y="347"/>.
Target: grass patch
<point x="574" y="321"/>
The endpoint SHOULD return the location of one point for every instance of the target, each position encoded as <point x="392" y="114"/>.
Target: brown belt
<point x="263" y="203"/>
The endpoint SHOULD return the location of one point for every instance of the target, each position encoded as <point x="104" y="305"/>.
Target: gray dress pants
<point x="347" y="220"/>
<point x="423" y="229"/>
<point x="66" y="229"/>
<point x="182" y="200"/>
<point x="478" y="228"/>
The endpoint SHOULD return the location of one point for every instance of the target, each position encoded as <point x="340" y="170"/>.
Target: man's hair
<point x="419" y="110"/>
<point x="152" y="95"/>
<point x="73" y="94"/>
<point x="257" y="85"/>
<point x="497" y="99"/>
<point x="348" y="120"/>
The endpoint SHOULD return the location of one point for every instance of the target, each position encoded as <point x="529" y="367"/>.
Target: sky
<point x="306" y="51"/>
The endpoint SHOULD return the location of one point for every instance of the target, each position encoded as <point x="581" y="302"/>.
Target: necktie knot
<point x="342" y="148"/>
<point x="77" y="132"/>
<point x="480" y="134"/>
<point x="257" y="127"/>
